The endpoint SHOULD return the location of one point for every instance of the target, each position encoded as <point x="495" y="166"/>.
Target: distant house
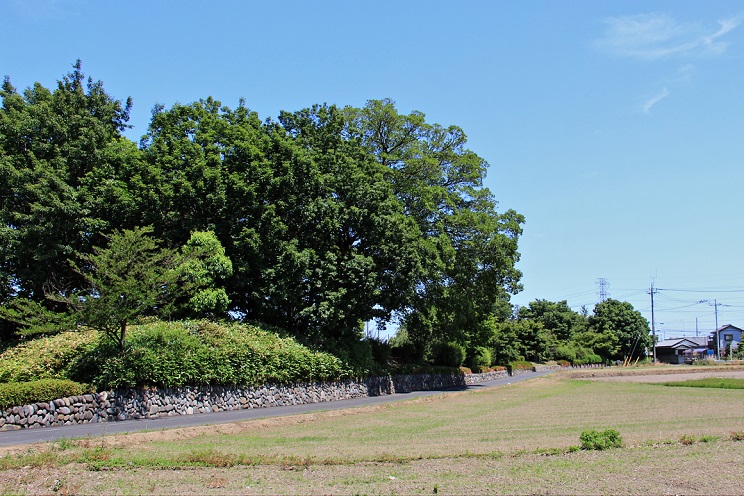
<point x="677" y="350"/>
<point x="728" y="335"/>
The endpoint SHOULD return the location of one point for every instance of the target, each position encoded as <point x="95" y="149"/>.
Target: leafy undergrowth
<point x="50" y="357"/>
<point x="172" y="354"/>
<point x="711" y="382"/>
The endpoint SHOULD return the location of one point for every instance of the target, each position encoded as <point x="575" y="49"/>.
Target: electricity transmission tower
<point x="603" y="285"/>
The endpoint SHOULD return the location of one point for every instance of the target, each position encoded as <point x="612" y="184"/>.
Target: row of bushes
<point x="478" y="360"/>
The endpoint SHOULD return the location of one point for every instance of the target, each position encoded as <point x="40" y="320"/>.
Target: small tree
<point x="202" y="264"/>
<point x="129" y="278"/>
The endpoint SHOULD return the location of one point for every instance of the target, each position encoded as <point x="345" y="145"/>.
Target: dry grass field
<point x="516" y="439"/>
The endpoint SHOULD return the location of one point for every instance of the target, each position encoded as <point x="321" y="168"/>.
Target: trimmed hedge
<point x="519" y="365"/>
<point x="23" y="393"/>
<point x="480" y="358"/>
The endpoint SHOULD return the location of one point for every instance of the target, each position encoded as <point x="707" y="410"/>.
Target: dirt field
<point x="657" y="374"/>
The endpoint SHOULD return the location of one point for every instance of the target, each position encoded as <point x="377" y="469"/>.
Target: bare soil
<point x="657" y="374"/>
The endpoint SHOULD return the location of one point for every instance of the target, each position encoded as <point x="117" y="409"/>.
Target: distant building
<point x="678" y="350"/>
<point x="728" y="335"/>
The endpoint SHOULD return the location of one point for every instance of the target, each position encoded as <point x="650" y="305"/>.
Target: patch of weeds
<point x="737" y="436"/>
<point x="708" y="439"/>
<point x="573" y="449"/>
<point x="32" y="459"/>
<point x="101" y="458"/>
<point x="391" y="458"/>
<point x="296" y="462"/>
<point x="595" y="440"/>
<point x="64" y="444"/>
<point x="212" y="458"/>
<point x="548" y="451"/>
<point x="686" y="439"/>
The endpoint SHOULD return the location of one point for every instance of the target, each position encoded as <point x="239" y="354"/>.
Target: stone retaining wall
<point x="109" y="406"/>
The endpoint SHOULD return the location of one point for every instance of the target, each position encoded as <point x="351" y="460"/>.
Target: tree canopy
<point x="321" y="220"/>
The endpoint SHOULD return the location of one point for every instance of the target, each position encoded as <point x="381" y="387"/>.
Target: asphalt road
<point x="47" y="434"/>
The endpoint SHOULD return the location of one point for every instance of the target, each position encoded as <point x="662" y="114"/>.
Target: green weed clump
<point x="595" y="440"/>
<point x="24" y="393"/>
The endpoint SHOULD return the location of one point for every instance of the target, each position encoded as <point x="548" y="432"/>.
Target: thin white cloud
<point x="656" y="36"/>
<point x="654" y="100"/>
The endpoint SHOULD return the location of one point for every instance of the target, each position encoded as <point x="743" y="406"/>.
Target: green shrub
<point x="480" y="358"/>
<point x="448" y="354"/>
<point x="595" y="440"/>
<point x="366" y="357"/>
<point x="519" y="365"/>
<point x="52" y="357"/>
<point x="23" y="393"/>
<point x="200" y="353"/>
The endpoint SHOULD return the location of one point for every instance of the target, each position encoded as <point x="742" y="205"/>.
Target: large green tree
<point x="330" y="217"/>
<point x="618" y="331"/>
<point x="556" y="317"/>
<point x="469" y="249"/>
<point x="61" y="154"/>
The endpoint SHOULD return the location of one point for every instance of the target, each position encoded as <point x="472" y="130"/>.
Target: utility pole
<point x="652" y="291"/>
<point x="718" y="336"/>
<point x="715" y="305"/>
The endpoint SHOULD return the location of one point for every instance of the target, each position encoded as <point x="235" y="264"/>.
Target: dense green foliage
<point x="52" y="357"/>
<point x="596" y="440"/>
<point x="480" y="358"/>
<point x="628" y="328"/>
<point x="519" y="365"/>
<point x="23" y="393"/>
<point x="313" y="224"/>
<point x="179" y="354"/>
<point x="328" y="217"/>
<point x="448" y="354"/>
<point x="171" y="354"/>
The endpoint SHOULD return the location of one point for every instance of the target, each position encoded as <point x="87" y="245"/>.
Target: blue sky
<point x="615" y="128"/>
